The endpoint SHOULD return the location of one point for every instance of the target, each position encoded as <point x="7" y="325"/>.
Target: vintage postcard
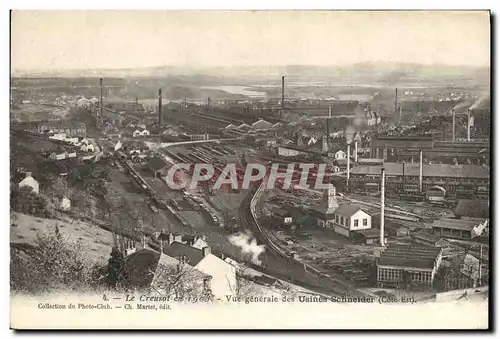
<point x="250" y="169"/>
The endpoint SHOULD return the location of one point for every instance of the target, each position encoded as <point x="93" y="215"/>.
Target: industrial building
<point x="407" y="148"/>
<point x="408" y="265"/>
<point x="459" y="228"/>
<point x="459" y="179"/>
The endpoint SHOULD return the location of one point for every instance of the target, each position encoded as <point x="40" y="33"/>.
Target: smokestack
<point x="396" y="102"/>
<point x="100" y="99"/>
<point x="160" y="117"/>
<point x="453" y="124"/>
<point x="348" y="164"/>
<point x="400" y="113"/>
<point x="421" y="171"/>
<point x="355" y="151"/>
<point x="330" y="111"/>
<point x="282" y="93"/>
<point x="468" y="125"/>
<point x="382" y="207"/>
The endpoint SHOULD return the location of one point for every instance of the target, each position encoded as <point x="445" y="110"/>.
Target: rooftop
<point x="347" y="210"/>
<point x="156" y="163"/>
<point x="177" y="250"/>
<point x="410" y="256"/>
<point x="434" y="170"/>
<point x="455" y="224"/>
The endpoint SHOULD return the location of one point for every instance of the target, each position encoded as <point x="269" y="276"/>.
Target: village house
<point x="140" y="132"/>
<point x="150" y="270"/>
<point x="29" y="181"/>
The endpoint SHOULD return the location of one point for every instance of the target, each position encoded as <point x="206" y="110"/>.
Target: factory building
<point x="408" y="265"/>
<point x="407" y="148"/>
<point x="459" y="228"/>
<point x="400" y="176"/>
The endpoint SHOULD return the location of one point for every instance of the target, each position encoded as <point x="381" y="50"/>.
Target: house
<point x="459" y="228"/>
<point x="87" y="148"/>
<point x="408" y="265"/>
<point x="82" y="102"/>
<point x="351" y="217"/>
<point x="149" y="270"/>
<point x="223" y="281"/>
<point x="65" y="204"/>
<point x="29" y="181"/>
<point x="140" y="132"/>
<point x="339" y="154"/>
<point x="473" y="209"/>
<point x="58" y="156"/>
<point x="158" y="166"/>
<point x="463" y="272"/>
<point x="195" y="241"/>
<point x="425" y="237"/>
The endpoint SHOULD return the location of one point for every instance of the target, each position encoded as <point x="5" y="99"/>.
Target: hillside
<point x="24" y="229"/>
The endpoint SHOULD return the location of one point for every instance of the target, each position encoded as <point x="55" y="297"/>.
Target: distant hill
<point x="386" y="74"/>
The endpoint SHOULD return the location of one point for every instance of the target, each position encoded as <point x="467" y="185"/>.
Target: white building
<point x="341" y="218"/>
<point x="339" y="155"/>
<point x="350" y="217"/>
<point x="223" y="281"/>
<point x="65" y="204"/>
<point x="140" y="133"/>
<point x="29" y="181"/>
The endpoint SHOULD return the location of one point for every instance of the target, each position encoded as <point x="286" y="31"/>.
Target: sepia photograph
<point x="261" y="169"/>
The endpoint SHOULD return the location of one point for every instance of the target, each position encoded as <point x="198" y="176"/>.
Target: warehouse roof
<point x="433" y="170"/>
<point x="419" y="142"/>
<point x="413" y="256"/>
<point x="456" y="224"/>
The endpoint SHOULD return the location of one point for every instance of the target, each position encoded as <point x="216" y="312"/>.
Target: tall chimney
<point x="348" y="164"/>
<point x="468" y="125"/>
<point x="355" y="151"/>
<point x="382" y="207"/>
<point x="100" y="99"/>
<point x="282" y="93"/>
<point x="160" y="117"/>
<point x="330" y="110"/>
<point x="421" y="171"/>
<point x="396" y="102"/>
<point x="453" y="124"/>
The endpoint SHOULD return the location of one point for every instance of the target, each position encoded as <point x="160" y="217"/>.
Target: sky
<point x="58" y="40"/>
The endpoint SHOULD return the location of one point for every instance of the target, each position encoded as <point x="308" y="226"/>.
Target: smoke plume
<point x="349" y="134"/>
<point x="462" y="105"/>
<point x="248" y="245"/>
<point x="482" y="102"/>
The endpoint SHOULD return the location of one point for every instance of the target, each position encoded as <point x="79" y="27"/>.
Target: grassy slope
<point x="97" y="241"/>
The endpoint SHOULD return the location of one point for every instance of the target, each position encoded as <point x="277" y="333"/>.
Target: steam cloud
<point x="483" y="101"/>
<point x="248" y="245"/>
<point x="349" y="134"/>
